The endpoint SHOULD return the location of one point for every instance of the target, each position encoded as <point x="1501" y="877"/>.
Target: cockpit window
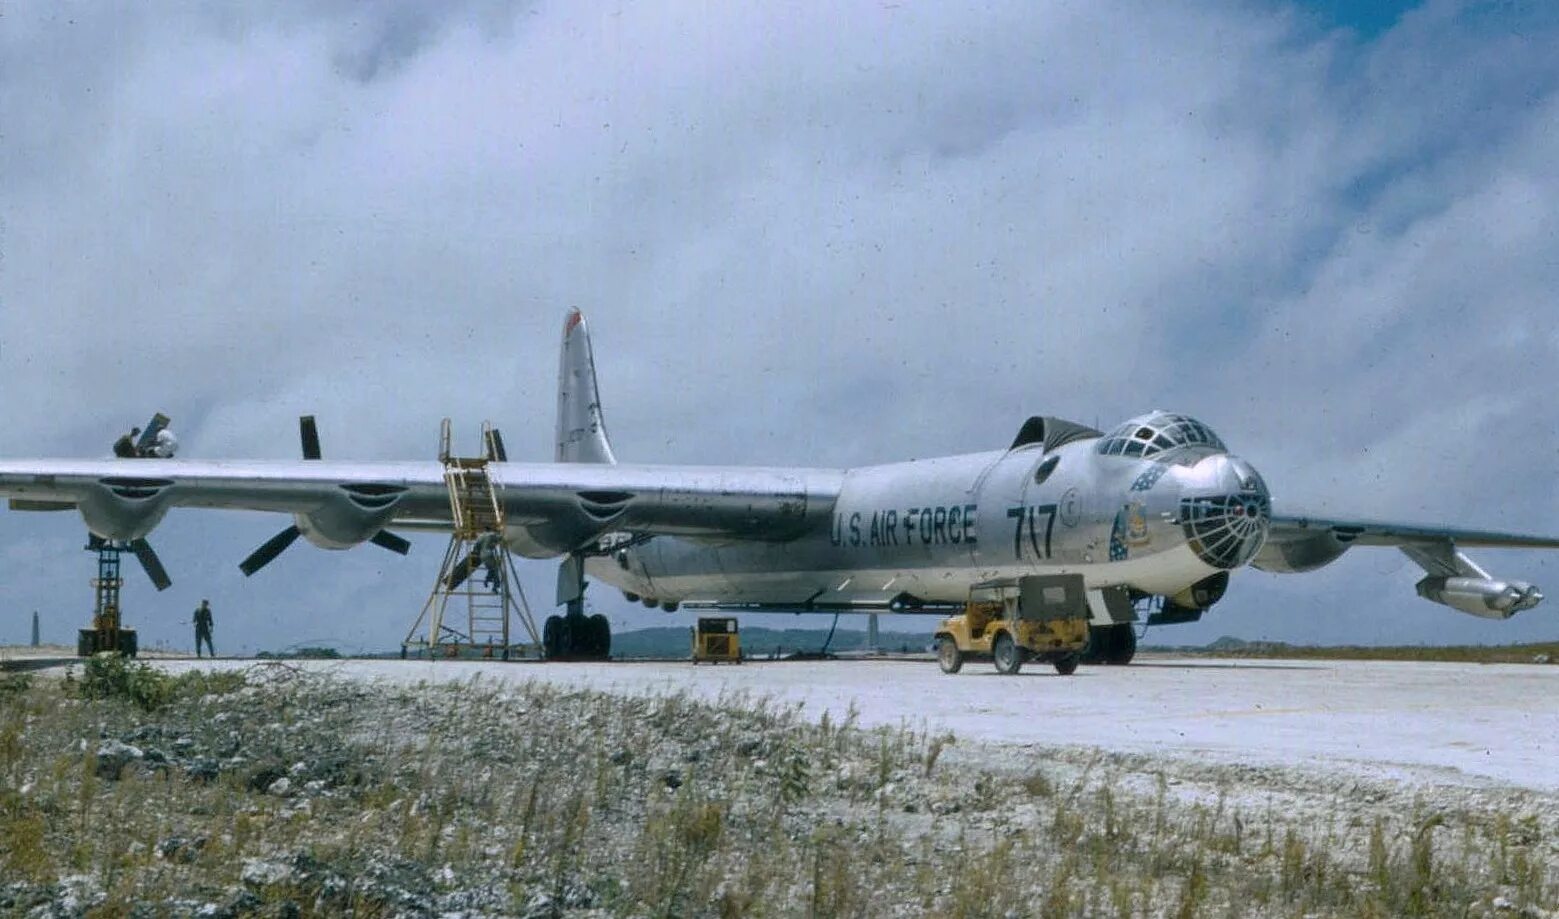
<point x="1158" y="433"/>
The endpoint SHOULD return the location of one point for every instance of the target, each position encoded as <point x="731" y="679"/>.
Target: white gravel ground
<point x="1417" y="723"/>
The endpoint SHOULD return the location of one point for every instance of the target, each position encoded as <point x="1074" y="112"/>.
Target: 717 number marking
<point x="1030" y="515"/>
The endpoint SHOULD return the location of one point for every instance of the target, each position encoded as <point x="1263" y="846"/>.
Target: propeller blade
<point x="308" y="432"/>
<point x="384" y="539"/>
<point x="148" y="438"/>
<point x="464" y="570"/>
<point x="494" y="445"/>
<point x="267" y="553"/>
<point x="153" y="565"/>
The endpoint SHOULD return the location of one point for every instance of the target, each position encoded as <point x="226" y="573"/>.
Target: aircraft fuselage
<point x="936" y="529"/>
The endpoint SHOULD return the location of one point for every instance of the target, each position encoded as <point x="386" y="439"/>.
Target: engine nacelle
<point x="1187" y="605"/>
<point x="1203" y="593"/>
<point x="124" y="507"/>
<point x="1483" y="597"/>
<point x="351" y="517"/>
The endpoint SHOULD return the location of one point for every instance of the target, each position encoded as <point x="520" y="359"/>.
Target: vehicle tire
<point x="1066" y="666"/>
<point x="551" y="638"/>
<point x="948" y="657"/>
<point x="1007" y="655"/>
<point x="600" y="637"/>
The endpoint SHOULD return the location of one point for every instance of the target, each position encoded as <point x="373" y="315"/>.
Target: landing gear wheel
<point x="948" y="657"/>
<point x="552" y="638"/>
<point x="1007" y="654"/>
<point x="1110" y="644"/>
<point x="1125" y="647"/>
<point x="600" y="631"/>
<point x="1067" y="666"/>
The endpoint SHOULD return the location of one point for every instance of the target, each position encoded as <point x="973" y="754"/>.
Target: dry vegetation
<point x="274" y="792"/>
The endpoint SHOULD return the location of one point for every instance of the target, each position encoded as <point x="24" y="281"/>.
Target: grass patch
<point x="276" y="792"/>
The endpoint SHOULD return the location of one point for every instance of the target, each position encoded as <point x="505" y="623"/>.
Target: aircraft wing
<point x="1375" y="533"/>
<point x="562" y="505"/>
<point x="1296" y="543"/>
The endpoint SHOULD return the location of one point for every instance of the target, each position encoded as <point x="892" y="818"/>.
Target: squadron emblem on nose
<point x="1071" y="508"/>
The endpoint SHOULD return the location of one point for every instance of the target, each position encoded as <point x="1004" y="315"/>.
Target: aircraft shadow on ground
<point x="1232" y="665"/>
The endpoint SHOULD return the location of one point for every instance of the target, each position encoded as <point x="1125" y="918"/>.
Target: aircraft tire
<point x="1007" y="655"/>
<point x="1110" y="644"/>
<point x="571" y="636"/>
<point x="600" y="631"/>
<point x="1066" y="666"/>
<point x="1124" y="647"/>
<point x="551" y="637"/>
<point x="948" y="657"/>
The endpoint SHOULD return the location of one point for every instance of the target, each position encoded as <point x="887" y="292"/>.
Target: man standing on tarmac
<point x="203" y="628"/>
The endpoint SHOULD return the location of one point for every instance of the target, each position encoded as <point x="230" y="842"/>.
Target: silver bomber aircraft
<point x="1151" y="517"/>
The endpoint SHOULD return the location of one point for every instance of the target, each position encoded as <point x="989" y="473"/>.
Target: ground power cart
<point x="1045" y="619"/>
<point x="715" y="641"/>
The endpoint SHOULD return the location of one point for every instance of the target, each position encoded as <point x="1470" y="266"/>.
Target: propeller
<point x="308" y="436"/>
<point x="151" y="563"/>
<point x="384" y="539"/>
<point x="268" y="551"/>
<point x="465" y="570"/>
<point x="494" y="446"/>
<point x="144" y="554"/>
<point x="308" y="432"/>
<point x="472" y="563"/>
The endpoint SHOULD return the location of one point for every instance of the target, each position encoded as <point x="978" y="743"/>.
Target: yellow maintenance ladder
<point x="478" y="571"/>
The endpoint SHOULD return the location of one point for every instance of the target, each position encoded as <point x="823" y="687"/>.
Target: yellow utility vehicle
<point x="1044" y="622"/>
<point x="715" y="639"/>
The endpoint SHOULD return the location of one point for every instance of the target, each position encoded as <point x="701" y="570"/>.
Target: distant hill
<point x="1533" y="653"/>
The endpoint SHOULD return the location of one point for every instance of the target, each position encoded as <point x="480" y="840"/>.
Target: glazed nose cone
<point x="1224" y="511"/>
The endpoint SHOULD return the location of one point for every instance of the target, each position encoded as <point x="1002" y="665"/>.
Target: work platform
<point x="477" y="607"/>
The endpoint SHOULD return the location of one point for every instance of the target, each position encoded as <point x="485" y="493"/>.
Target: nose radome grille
<point x="1226" y="531"/>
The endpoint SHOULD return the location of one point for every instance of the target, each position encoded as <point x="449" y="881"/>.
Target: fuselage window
<point x="1045" y="469"/>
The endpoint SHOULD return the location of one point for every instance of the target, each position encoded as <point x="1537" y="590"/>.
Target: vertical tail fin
<point x="581" y="433"/>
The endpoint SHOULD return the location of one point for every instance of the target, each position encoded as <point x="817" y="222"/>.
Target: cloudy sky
<point x="819" y="235"/>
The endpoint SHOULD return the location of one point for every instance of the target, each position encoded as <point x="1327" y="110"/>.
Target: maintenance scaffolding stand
<point x="478" y="572"/>
<point x="106" y="634"/>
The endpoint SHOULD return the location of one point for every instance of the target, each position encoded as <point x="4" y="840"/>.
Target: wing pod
<point x="1484" y="597"/>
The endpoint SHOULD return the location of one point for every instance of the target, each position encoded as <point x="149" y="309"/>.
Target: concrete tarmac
<point x="1467" y="724"/>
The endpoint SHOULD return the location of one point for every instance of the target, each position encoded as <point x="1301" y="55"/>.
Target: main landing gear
<point x="573" y="635"/>
<point x="1110" y="644"/>
<point x="576" y="636"/>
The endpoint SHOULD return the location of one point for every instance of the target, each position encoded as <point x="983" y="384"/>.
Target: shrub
<point x="14" y="685"/>
<point x="109" y="676"/>
<point x="197" y="683"/>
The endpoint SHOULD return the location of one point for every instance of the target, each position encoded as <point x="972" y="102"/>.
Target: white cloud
<point x="813" y="236"/>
